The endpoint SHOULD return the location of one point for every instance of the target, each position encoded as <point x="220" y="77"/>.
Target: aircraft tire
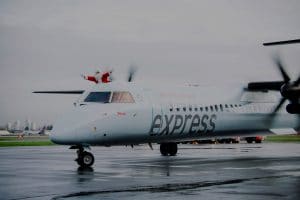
<point x="168" y="149"/>
<point x="173" y="149"/>
<point x="85" y="159"/>
<point x="164" y="149"/>
<point x="249" y="140"/>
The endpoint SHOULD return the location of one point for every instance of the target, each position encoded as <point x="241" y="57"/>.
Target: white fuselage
<point x="170" y="115"/>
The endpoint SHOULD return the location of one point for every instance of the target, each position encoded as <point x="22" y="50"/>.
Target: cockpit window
<point x="99" y="97"/>
<point x="122" y="97"/>
<point x="109" y="97"/>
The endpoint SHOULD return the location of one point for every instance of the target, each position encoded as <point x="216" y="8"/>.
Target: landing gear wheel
<point x="249" y="140"/>
<point x="173" y="149"/>
<point x="164" y="149"/>
<point x="85" y="159"/>
<point x="168" y="149"/>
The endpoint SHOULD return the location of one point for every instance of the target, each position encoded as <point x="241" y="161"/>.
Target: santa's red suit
<point x="99" y="78"/>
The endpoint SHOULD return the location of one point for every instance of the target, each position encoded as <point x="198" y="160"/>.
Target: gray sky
<point x="46" y="45"/>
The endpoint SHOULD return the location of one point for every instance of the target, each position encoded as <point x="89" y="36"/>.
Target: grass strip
<point x="25" y="143"/>
<point x="283" y="138"/>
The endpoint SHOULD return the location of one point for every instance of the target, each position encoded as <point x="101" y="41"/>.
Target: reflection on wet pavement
<point x="235" y="171"/>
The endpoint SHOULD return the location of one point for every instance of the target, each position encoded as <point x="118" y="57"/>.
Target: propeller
<point x="297" y="82"/>
<point x="131" y="72"/>
<point x="287" y="87"/>
<point x="279" y="105"/>
<point x="279" y="64"/>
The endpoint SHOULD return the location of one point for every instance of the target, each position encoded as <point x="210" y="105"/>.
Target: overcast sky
<point x="46" y="45"/>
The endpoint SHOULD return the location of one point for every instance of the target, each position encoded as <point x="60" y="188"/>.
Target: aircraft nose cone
<point x="64" y="130"/>
<point x="73" y="127"/>
<point x="57" y="136"/>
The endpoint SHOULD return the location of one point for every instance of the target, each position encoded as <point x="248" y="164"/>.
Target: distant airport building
<point x="8" y="126"/>
<point x="27" y="124"/>
<point x="28" y="127"/>
<point x="4" y="132"/>
<point x="17" y="125"/>
<point x="33" y="126"/>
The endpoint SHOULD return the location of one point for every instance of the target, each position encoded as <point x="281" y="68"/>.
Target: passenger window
<point x="211" y="108"/>
<point x="122" y="97"/>
<point x="201" y="109"/>
<point x="99" y="97"/>
<point x="190" y="108"/>
<point x="184" y="108"/>
<point x="178" y="109"/>
<point x="221" y="107"/>
<point x="226" y="106"/>
<point x="206" y="109"/>
<point x="196" y="109"/>
<point x="216" y="108"/>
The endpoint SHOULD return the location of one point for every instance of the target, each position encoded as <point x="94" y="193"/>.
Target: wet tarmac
<point x="235" y="171"/>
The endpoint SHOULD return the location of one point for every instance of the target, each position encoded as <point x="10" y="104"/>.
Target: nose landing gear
<point x="84" y="158"/>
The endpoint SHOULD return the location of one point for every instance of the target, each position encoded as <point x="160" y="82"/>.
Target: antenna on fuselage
<point x="131" y="72"/>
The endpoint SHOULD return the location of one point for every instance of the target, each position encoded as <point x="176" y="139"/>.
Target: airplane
<point x="125" y="113"/>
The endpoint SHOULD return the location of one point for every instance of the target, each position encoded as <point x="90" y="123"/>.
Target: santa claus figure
<point x="104" y="77"/>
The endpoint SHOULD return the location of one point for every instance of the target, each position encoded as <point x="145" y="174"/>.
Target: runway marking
<point x="255" y="194"/>
<point x="165" y="187"/>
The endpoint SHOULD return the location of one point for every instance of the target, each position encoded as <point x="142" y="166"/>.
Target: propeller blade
<point x="278" y="62"/>
<point x="297" y="82"/>
<point x="279" y="105"/>
<point x="131" y="73"/>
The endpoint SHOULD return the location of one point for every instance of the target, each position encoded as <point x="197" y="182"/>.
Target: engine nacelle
<point x="293" y="108"/>
<point x="290" y="92"/>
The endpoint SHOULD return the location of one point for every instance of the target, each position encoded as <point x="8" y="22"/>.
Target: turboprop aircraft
<point x="125" y="113"/>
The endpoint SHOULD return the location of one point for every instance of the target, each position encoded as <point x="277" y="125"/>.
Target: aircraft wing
<point x="281" y="42"/>
<point x="267" y="85"/>
<point x="60" y="92"/>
